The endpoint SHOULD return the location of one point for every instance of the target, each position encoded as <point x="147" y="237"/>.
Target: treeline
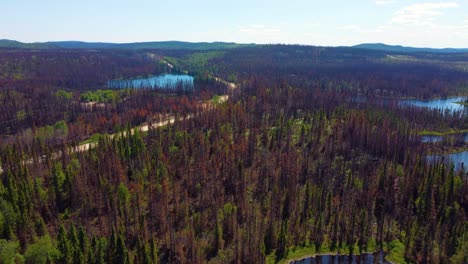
<point x="364" y="72"/>
<point x="41" y="87"/>
<point x="112" y="112"/>
<point x="30" y="80"/>
<point x="276" y="168"/>
<point x="78" y="69"/>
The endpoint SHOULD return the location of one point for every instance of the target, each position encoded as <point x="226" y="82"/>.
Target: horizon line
<point x="232" y="42"/>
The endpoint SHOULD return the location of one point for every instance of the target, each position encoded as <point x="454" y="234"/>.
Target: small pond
<point x="158" y="81"/>
<point x="436" y="139"/>
<point x="366" y="258"/>
<point x="442" y="104"/>
<point x="459" y="159"/>
<point x="431" y="139"/>
<point x="450" y="103"/>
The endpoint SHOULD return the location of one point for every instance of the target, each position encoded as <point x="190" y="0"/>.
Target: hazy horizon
<point x="415" y="23"/>
<point x="242" y="43"/>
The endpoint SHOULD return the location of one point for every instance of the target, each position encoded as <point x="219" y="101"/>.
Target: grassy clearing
<point x="216" y="100"/>
<point x="93" y="139"/>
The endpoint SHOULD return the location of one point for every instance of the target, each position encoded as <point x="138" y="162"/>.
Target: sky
<point x="415" y="23"/>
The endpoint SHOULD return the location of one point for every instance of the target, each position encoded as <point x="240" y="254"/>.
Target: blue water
<point x="442" y="104"/>
<point x="431" y="139"/>
<point x="344" y="259"/>
<point x="436" y="139"/>
<point x="159" y="81"/>
<point x="460" y="159"/>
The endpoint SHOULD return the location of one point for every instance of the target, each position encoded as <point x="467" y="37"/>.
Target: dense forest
<point x="279" y="152"/>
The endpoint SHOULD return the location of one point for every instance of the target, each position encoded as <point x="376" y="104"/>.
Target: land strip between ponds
<point x="442" y="133"/>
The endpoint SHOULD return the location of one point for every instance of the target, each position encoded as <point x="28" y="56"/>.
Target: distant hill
<point x="79" y="45"/>
<point x="5" y="43"/>
<point x="180" y="45"/>
<point x="398" y="48"/>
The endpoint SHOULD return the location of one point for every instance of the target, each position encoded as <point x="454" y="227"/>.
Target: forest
<point x="279" y="152"/>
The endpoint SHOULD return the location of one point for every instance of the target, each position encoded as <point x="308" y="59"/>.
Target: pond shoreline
<point x="333" y="254"/>
<point x="442" y="133"/>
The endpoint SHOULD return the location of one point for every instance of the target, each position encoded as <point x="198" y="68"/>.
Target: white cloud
<point x="258" y="29"/>
<point x="357" y="29"/>
<point x="432" y="35"/>
<point x="422" y="13"/>
<point x="383" y="28"/>
<point x="385" y="2"/>
<point x="313" y="25"/>
<point x="350" y="27"/>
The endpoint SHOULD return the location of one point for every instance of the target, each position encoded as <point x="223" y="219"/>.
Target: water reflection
<point x="453" y="138"/>
<point x="159" y="81"/>
<point x="366" y="258"/>
<point x="459" y="159"/>
<point x="441" y="104"/>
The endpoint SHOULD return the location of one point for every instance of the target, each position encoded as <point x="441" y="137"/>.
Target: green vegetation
<point x="100" y="96"/>
<point x="173" y="61"/>
<point x="57" y="131"/>
<point x="216" y="100"/>
<point x="64" y="95"/>
<point x="442" y="133"/>
<point x="43" y="251"/>
<point x="310" y="250"/>
<point x="232" y="78"/>
<point x="9" y="252"/>
<point x="395" y="252"/>
<point x="181" y="45"/>
<point x="461" y="255"/>
<point x="198" y="63"/>
<point x="21" y="115"/>
<point x="296" y="253"/>
<point x="403" y="49"/>
<point x="4" y="43"/>
<point x="464" y="103"/>
<point x="94" y="138"/>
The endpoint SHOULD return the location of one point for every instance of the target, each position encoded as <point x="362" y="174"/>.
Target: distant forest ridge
<point x="5" y="43"/>
<point x="398" y="48"/>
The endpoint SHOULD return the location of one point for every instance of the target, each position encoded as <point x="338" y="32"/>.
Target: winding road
<point x="143" y="128"/>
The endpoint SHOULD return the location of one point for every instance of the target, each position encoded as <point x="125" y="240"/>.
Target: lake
<point x="459" y="159"/>
<point x="157" y="81"/>
<point x="431" y="139"/>
<point x="436" y="139"/>
<point x="442" y="104"/>
<point x="366" y="258"/>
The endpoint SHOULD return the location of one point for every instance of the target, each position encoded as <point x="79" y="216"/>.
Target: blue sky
<point x="325" y="22"/>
